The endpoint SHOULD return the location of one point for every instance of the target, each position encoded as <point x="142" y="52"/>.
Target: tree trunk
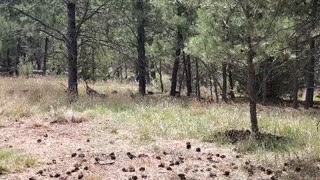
<point x="232" y="96"/>
<point x="177" y="58"/>
<point x="252" y="89"/>
<point x="160" y="76"/>
<point x="310" y="77"/>
<point x="152" y="71"/>
<point x="224" y="82"/>
<point x="72" y="47"/>
<point x="265" y="85"/>
<point x="142" y="64"/>
<point x="126" y="71"/>
<point x="311" y="64"/>
<point x="188" y="75"/>
<point x="45" y="57"/>
<point x="295" y="88"/>
<point x="182" y="74"/>
<point x="18" y="54"/>
<point x="198" y="80"/>
<point x="9" y="66"/>
<point x="93" y="64"/>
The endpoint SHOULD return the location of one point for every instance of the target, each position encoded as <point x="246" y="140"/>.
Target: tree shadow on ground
<point x="244" y="140"/>
<point x="302" y="169"/>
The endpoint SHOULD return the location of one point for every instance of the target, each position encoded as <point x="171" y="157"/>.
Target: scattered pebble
<point x="188" y="145"/>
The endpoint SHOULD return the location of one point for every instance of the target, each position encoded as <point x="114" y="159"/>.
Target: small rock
<point x="46" y="135"/>
<point x="112" y="156"/>
<point x="222" y="156"/>
<point x="40" y="172"/>
<point x="144" y="176"/>
<point x="238" y="156"/>
<point x="131" y="156"/>
<point x="298" y="169"/>
<point x="81" y="156"/>
<point x="124" y="170"/>
<point x="86" y="168"/>
<point x="217" y="155"/>
<point x="165" y="153"/>
<point x="131" y="169"/>
<point x="227" y="173"/>
<point x="188" y="145"/>
<point x="209" y="169"/>
<point x="143" y="156"/>
<point x="88" y="140"/>
<point x="269" y="172"/>
<point x="161" y="165"/>
<point x="182" y="177"/>
<point x="212" y="175"/>
<point x="39" y="141"/>
<point x="134" y="177"/>
<point x="142" y="169"/>
<point x="68" y="173"/>
<point x="32" y="178"/>
<point x="169" y="168"/>
<point x="80" y="176"/>
<point x="54" y="161"/>
<point x="198" y="150"/>
<point x="56" y="175"/>
<point x="158" y="157"/>
<point x="76" y="169"/>
<point x="73" y="154"/>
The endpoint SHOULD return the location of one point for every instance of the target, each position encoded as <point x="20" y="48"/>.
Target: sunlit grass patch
<point x="11" y="162"/>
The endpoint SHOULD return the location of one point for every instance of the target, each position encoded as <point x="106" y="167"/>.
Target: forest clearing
<point x="159" y="89"/>
<point x="55" y="139"/>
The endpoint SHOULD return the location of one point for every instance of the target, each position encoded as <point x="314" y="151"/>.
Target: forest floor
<point x="128" y="137"/>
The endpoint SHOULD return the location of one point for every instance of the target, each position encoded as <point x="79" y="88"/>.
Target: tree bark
<point x="160" y="76"/>
<point x="310" y="77"/>
<point x="177" y="58"/>
<point x="252" y="89"/>
<point x="45" y="57"/>
<point x="198" y="80"/>
<point x="295" y="88"/>
<point x="215" y="83"/>
<point x="18" y="54"/>
<point x="224" y="82"/>
<point x="72" y="47"/>
<point x="153" y="71"/>
<point x="311" y="64"/>
<point x="265" y="85"/>
<point x="93" y="64"/>
<point x="231" y="83"/>
<point x="188" y="75"/>
<point x="9" y="66"/>
<point x="142" y="64"/>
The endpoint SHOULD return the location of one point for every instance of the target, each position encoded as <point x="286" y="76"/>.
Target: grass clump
<point x="11" y="162"/>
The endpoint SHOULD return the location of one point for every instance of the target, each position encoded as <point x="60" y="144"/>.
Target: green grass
<point x="11" y="162"/>
<point x="175" y="120"/>
<point x="161" y="117"/>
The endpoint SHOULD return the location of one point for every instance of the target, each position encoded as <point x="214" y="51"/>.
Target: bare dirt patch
<point x="88" y="151"/>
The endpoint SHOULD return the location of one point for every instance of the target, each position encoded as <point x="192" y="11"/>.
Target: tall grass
<point x="160" y="116"/>
<point x="11" y="162"/>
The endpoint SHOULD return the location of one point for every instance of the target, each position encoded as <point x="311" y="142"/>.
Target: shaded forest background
<point x="266" y="50"/>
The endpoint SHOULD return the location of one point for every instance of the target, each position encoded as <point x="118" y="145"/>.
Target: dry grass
<point x="161" y="117"/>
<point x="11" y="162"/>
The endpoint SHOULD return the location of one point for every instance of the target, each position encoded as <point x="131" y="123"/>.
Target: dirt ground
<point x="87" y="150"/>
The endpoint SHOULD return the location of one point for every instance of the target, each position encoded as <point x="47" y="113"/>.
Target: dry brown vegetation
<point x="41" y="131"/>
